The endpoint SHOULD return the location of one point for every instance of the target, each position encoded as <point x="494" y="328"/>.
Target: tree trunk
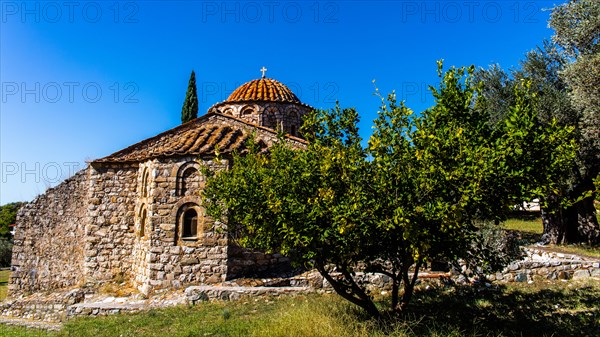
<point x="553" y="221"/>
<point x="409" y="286"/>
<point x="583" y="223"/>
<point x="349" y="290"/>
<point x="395" y="289"/>
<point x="575" y="224"/>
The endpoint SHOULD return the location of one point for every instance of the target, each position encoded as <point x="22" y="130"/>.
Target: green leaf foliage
<point x="577" y="30"/>
<point x="576" y="27"/>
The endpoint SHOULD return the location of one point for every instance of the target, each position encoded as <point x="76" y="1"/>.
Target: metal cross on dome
<point x="264" y="70"/>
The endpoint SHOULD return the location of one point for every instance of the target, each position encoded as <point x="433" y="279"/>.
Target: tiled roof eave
<point x="168" y="145"/>
<point x="101" y="162"/>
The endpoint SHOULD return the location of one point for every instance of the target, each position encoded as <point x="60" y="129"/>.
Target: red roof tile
<point x="200" y="136"/>
<point x="263" y="89"/>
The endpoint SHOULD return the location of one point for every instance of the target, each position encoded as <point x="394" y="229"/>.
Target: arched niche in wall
<point x="230" y="111"/>
<point x="189" y="180"/>
<point x="247" y="111"/>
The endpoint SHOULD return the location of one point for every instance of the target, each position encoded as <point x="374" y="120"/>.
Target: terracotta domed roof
<point x="263" y="89"/>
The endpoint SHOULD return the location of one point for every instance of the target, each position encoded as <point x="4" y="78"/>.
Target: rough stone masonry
<point x="137" y="215"/>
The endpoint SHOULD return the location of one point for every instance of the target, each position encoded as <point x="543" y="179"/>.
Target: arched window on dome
<point x="293" y="121"/>
<point x="247" y="111"/>
<point x="269" y="117"/>
<point x="270" y="121"/>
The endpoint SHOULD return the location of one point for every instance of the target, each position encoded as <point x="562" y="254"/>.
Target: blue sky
<point x="83" y="79"/>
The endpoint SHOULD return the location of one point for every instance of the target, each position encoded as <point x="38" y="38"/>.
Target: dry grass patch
<point x="584" y="250"/>
<point x="4" y="275"/>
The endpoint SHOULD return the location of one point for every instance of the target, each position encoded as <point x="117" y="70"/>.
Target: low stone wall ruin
<point x="541" y="264"/>
<point x="197" y="294"/>
<point x="42" y="307"/>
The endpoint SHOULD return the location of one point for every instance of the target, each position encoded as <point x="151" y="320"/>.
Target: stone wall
<point x="198" y="294"/>
<point x="243" y="262"/>
<point x="109" y="234"/>
<point x="142" y="238"/>
<point x="163" y="258"/>
<point x="49" y="239"/>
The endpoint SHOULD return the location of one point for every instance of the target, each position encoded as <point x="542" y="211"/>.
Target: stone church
<point x="136" y="215"/>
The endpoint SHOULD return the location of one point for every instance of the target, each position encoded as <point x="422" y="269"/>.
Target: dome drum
<point x="265" y="102"/>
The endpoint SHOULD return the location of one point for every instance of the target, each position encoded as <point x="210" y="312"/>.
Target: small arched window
<point x="145" y="179"/>
<point x="190" y="224"/>
<point x="143" y="216"/>
<point x="189" y="179"/>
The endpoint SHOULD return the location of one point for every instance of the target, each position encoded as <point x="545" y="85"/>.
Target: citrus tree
<point x="410" y="197"/>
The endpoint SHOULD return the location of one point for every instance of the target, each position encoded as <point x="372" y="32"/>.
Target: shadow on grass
<point x="525" y="238"/>
<point x="559" y="310"/>
<point x="525" y="215"/>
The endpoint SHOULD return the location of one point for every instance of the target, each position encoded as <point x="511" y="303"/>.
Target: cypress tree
<point x="189" y="110"/>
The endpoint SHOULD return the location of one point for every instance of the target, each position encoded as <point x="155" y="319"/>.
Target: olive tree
<point x="576" y="25"/>
<point x="565" y="75"/>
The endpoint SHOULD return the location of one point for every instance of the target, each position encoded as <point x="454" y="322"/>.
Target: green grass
<point x="540" y="309"/>
<point x="4" y="274"/>
<point x="526" y="225"/>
